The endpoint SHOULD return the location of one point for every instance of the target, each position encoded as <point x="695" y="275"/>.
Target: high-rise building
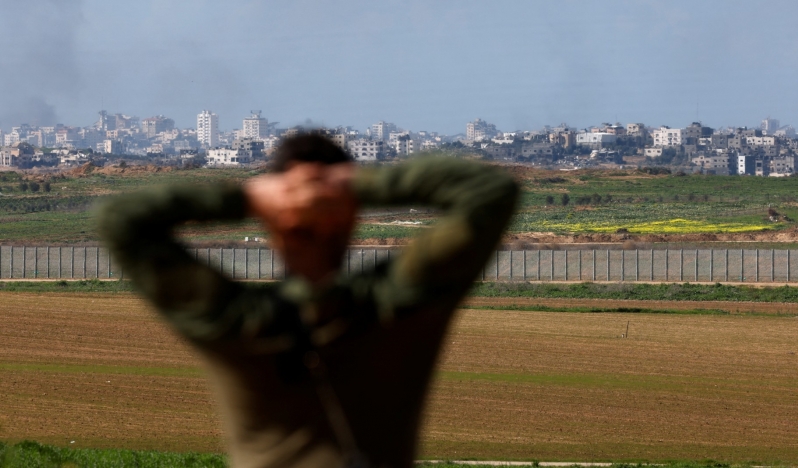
<point x="381" y="130"/>
<point x="154" y="125"/>
<point x="769" y="126"/>
<point x="208" y="129"/>
<point x="255" y="127"/>
<point x="480" y="130"/>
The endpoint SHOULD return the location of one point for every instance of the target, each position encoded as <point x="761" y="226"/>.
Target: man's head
<point x="307" y="148"/>
<point x="307" y="204"/>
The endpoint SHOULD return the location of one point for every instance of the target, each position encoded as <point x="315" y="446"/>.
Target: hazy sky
<point x="425" y="65"/>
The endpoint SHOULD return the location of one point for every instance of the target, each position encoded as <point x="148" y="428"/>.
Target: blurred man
<point x="322" y="369"/>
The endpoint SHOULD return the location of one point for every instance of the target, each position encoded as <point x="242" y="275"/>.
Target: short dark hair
<point x="308" y="148"/>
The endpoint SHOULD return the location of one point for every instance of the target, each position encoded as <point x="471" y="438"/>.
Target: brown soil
<point x="770" y="308"/>
<point x="103" y="371"/>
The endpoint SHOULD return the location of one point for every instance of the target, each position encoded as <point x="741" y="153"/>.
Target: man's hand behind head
<point x="310" y="211"/>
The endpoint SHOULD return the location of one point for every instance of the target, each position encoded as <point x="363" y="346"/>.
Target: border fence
<point x="669" y="265"/>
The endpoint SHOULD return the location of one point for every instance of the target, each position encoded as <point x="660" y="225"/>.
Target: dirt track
<point x="103" y="371"/>
<point x="775" y="308"/>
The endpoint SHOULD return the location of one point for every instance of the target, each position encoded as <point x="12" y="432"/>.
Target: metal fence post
<point x="11" y="261"/>
<point x="246" y="263"/>
<point x="497" y="263"/>
<point x="594" y="264"/>
<point x="259" y="249"/>
<point x="108" y="259"/>
<point x="742" y="265"/>
<point x="511" y="264"/>
<point x="24" y="261"/>
<point x="756" y="276"/>
<point x="538" y="264"/>
<point x="637" y="265"/>
<point x="711" y="263"/>
<point x="566" y="265"/>
<point x="233" y="268"/>
<point x="523" y="262"/>
<point x="48" y="261"/>
<point x="651" y="272"/>
<point x="551" y="265"/>
<point x="97" y="261"/>
<point x="667" y="259"/>
<point x="84" y="262"/>
<point x="580" y="263"/>
<point x="726" y="265"/>
<point x="72" y="262"/>
<point x="623" y="265"/>
<point x="221" y="260"/>
<point x="36" y="262"/>
<point x="59" y="262"/>
<point x="271" y="262"/>
<point x="772" y="267"/>
<point x="695" y="265"/>
<point x="681" y="264"/>
<point x="788" y="265"/>
<point x="608" y="264"/>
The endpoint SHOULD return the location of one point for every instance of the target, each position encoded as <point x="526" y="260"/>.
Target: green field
<point x="35" y="455"/>
<point x="599" y="202"/>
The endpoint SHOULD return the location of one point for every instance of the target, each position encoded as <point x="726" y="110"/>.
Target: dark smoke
<point x="39" y="69"/>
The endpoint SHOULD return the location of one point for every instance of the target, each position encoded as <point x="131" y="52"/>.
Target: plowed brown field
<point x="102" y="371"/>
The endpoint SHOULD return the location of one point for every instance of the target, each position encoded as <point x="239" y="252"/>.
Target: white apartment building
<point x="208" y="129"/>
<point x="226" y="157"/>
<point x="589" y="138"/>
<point x="7" y="156"/>
<point x="10" y="139"/>
<point x="666" y="136"/>
<point x="746" y="164"/>
<point x="479" y="130"/>
<point x="406" y="146"/>
<point x="760" y="140"/>
<point x="255" y="127"/>
<point x="111" y="147"/>
<point x="382" y="130"/>
<point x="366" y="150"/>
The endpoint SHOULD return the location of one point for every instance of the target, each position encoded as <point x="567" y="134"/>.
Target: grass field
<point x="600" y="202"/>
<point x="100" y="370"/>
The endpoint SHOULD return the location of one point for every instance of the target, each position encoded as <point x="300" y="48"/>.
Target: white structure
<point x="226" y="157"/>
<point x="769" y="126"/>
<point x="406" y="146"/>
<point x="255" y="127"/>
<point x="479" y="130"/>
<point x="666" y="136"/>
<point x="588" y="138"/>
<point x="760" y="141"/>
<point x="653" y="152"/>
<point x="11" y="138"/>
<point x="7" y="155"/>
<point x="208" y="129"/>
<point x="111" y="147"/>
<point x="366" y="150"/>
<point x="746" y="164"/>
<point x="381" y="130"/>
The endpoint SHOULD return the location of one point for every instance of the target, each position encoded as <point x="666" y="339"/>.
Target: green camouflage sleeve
<point x="201" y="302"/>
<point x="476" y="201"/>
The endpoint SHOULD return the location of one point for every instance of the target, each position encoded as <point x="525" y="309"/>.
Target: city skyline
<point x="428" y="66"/>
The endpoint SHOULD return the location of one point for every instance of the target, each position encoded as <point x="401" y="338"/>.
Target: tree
<point x="23" y="186"/>
<point x="564" y="199"/>
<point x="47" y="186"/>
<point x="34" y="186"/>
<point x="549" y="200"/>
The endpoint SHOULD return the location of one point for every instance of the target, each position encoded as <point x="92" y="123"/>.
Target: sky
<point x="423" y="65"/>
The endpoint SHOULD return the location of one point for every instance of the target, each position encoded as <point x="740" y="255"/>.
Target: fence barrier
<point x="669" y="265"/>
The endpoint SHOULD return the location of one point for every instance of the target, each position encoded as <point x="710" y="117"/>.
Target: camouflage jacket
<point x="379" y="350"/>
